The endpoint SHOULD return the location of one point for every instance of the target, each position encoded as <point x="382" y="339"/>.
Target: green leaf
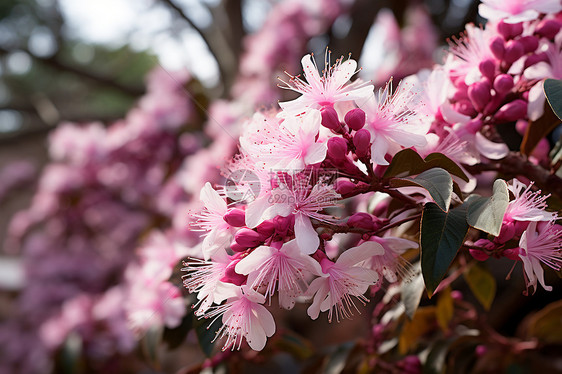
<point x="441" y="236"/>
<point x="176" y="336"/>
<point x="151" y="342"/>
<point x="411" y="292"/>
<point x="536" y="130"/>
<point x="436" y="181"/>
<point x="408" y="162"/>
<point x="486" y="213"/>
<point x="445" y="309"/>
<point x="553" y="92"/>
<point x="482" y="284"/>
<point x="546" y="324"/>
<point x="206" y="334"/>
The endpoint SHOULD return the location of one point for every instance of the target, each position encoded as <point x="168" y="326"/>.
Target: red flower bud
<point x="513" y="51"/>
<point x="248" y="238"/>
<point x="479" y="94"/>
<point x="355" y="119"/>
<point x="510" y="30"/>
<point x="362" y="142"/>
<point x="488" y="68"/>
<point x="497" y="46"/>
<point x="330" y="118"/>
<point x="513" y="111"/>
<point x="503" y="83"/>
<point x="337" y="148"/>
<point x="361" y="220"/>
<point x="529" y="43"/>
<point x="548" y="28"/>
<point x="235" y="217"/>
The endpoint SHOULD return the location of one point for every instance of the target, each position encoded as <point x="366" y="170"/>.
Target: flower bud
<point x="478" y="254"/>
<point x="266" y="228"/>
<point x="282" y="224"/>
<point x="345" y="187"/>
<point x="362" y="142"/>
<point x="512" y="111"/>
<point x="480" y="350"/>
<point x="534" y="59"/>
<point x="330" y="118"/>
<point x="507" y="232"/>
<point x="231" y="276"/>
<point x="479" y="94"/>
<point x="248" y="238"/>
<point x="503" y="83"/>
<point x="548" y="28"/>
<point x="465" y="107"/>
<point x="510" y="30"/>
<point x="513" y="51"/>
<point x="497" y="46"/>
<point x="355" y="119"/>
<point x="337" y="148"/>
<point x="235" y="217"/>
<point x="361" y="220"/>
<point x="488" y="68"/>
<point x="456" y="295"/>
<point x="511" y="253"/>
<point x="237" y="247"/>
<point x="529" y="43"/>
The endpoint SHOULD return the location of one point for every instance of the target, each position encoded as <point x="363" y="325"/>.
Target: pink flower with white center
<point x="515" y="11"/>
<point x="390" y="264"/>
<point x="210" y="219"/>
<point x="243" y="316"/>
<point x="326" y="90"/>
<point x="527" y="205"/>
<point x="394" y="122"/>
<point x="203" y="277"/>
<point x="540" y="245"/>
<point x="289" y="145"/>
<point x="343" y="280"/>
<point x="541" y="70"/>
<point x="468" y="52"/>
<point x="282" y="269"/>
<point x="300" y="200"/>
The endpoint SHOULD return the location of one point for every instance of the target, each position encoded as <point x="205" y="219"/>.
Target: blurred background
<point x="112" y="115"/>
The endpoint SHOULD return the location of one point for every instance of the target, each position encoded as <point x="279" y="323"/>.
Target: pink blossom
<point x="325" y="90"/>
<point x="289" y="144"/>
<point x="394" y="122"/>
<point x="389" y="263"/>
<point x="515" y="11"/>
<point x="283" y="269"/>
<point x="527" y="205"/>
<point x="342" y="280"/>
<point x="210" y="219"/>
<point x="203" y="277"/>
<point x="243" y="317"/>
<point x="542" y="244"/>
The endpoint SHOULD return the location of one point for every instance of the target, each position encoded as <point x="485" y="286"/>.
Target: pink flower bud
<point x="330" y="118"/>
<point x="465" y="107"/>
<point x="361" y="220"/>
<point x="488" y="68"/>
<point x="513" y="51"/>
<point x="480" y="350"/>
<point x="237" y="247"/>
<point x="497" y="46"/>
<point x="248" y="238"/>
<point x="535" y="58"/>
<point x="520" y="226"/>
<point x="337" y="148"/>
<point x="479" y="94"/>
<point x="503" y="83"/>
<point x="345" y="187"/>
<point x="282" y="224"/>
<point x="355" y="119"/>
<point x="512" y="253"/>
<point x="362" y="142"/>
<point x="507" y="232"/>
<point x="510" y="30"/>
<point x="478" y="254"/>
<point x="231" y="276"/>
<point x="548" y="28"/>
<point x="529" y="43"/>
<point x="266" y="228"/>
<point x="235" y="217"/>
<point x="513" y="111"/>
<point x="456" y="295"/>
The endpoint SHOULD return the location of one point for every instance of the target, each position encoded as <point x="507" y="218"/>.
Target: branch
<point x="55" y="63"/>
<point x="515" y="164"/>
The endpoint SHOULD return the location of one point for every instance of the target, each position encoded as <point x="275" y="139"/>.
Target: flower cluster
<point x="274" y="233"/>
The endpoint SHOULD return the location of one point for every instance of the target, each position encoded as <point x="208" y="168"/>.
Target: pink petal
<point x="254" y="260"/>
<point x="307" y="237"/>
<point x="316" y="153"/>
<point x="360" y="253"/>
<point x="212" y="199"/>
<point x="491" y="150"/>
